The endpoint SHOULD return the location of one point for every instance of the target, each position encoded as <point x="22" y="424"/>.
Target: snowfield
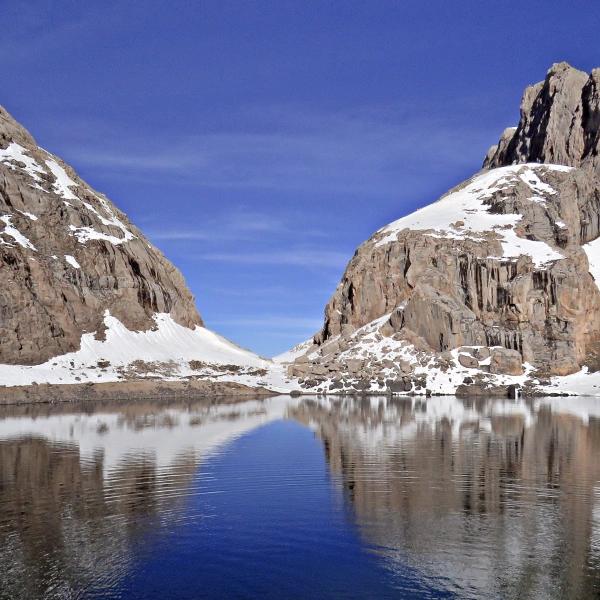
<point x="463" y="213"/>
<point x="167" y="349"/>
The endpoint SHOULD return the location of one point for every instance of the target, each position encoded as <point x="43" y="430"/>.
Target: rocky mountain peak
<point x="559" y="122"/>
<point x="492" y="286"/>
<point x="69" y="257"/>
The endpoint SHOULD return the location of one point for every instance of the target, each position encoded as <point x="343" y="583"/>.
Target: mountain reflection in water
<point x="414" y="498"/>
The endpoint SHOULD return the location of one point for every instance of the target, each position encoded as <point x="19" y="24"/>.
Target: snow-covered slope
<point x="169" y="351"/>
<point x="465" y="213"/>
<point x="298" y="350"/>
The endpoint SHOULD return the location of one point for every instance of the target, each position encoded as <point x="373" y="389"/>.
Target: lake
<point x="301" y="498"/>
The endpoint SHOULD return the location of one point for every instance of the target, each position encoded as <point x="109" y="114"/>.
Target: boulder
<point x="506" y="362"/>
<point x="354" y="365"/>
<point x="468" y="361"/>
<point x="482" y="353"/>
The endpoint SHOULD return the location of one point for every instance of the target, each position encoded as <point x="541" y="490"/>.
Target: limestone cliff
<point x="496" y="281"/>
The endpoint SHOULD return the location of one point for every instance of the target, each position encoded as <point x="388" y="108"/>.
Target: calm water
<point x="301" y="498"/>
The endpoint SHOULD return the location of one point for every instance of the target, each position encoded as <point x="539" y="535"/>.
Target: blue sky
<point x="259" y="143"/>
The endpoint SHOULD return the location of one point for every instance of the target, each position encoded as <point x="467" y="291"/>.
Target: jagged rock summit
<point x="85" y="297"/>
<point x="494" y="286"/>
<point x="560" y="122"/>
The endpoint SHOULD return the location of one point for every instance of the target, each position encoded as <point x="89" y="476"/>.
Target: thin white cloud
<point x="255" y="293"/>
<point x="371" y="152"/>
<point x="180" y="235"/>
<point x="299" y="258"/>
<point x="236" y="224"/>
<point x="287" y="323"/>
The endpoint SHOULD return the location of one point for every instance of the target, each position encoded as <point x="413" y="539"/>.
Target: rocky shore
<point x="128" y="390"/>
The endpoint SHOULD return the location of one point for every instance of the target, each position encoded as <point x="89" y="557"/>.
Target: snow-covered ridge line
<point x="15" y="156"/>
<point x="462" y="213"/>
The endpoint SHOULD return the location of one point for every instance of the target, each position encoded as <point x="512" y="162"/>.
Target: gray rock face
<point x="500" y="264"/>
<point x="67" y="255"/>
<point x="560" y="119"/>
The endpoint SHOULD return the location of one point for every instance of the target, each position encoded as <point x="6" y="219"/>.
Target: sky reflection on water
<point x="337" y="497"/>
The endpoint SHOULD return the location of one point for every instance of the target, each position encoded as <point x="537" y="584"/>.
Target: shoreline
<point x="125" y="390"/>
<point x="167" y="390"/>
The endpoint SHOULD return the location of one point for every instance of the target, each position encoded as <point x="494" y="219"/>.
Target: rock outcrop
<point x="496" y="282"/>
<point x="560" y="122"/>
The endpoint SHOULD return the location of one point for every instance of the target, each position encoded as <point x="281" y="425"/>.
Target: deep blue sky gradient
<point x="258" y="143"/>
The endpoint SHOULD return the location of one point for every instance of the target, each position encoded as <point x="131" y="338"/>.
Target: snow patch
<point x="582" y="383"/>
<point x="63" y="184"/>
<point x="14" y="233"/>
<point x="592" y="250"/>
<point x="16" y="153"/>
<point x="71" y="260"/>
<point x="467" y="205"/>
<point x="530" y="177"/>
<point x="29" y="215"/>
<point x="85" y="234"/>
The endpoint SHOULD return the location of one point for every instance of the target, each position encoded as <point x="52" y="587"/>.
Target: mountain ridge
<point x="68" y="254"/>
<point x="559" y="122"/>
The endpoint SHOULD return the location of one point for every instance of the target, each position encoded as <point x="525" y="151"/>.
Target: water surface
<point x="297" y="498"/>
